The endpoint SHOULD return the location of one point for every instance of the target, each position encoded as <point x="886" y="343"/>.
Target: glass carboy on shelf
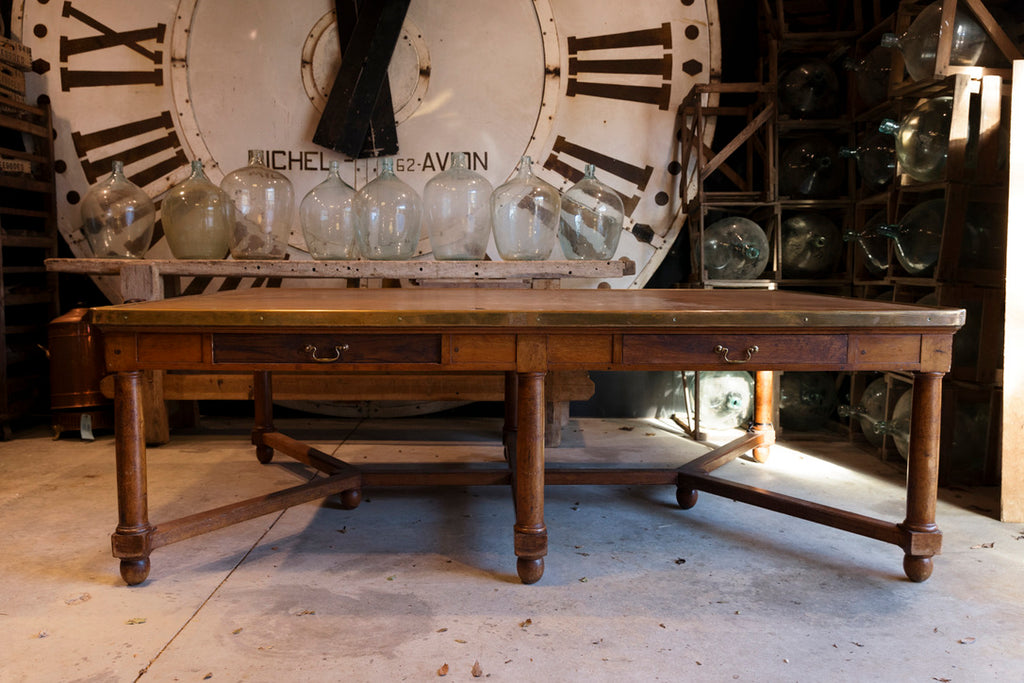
<point x="388" y="216"/>
<point x="918" y="236"/>
<point x="810" y="167"/>
<point x="876" y="160"/>
<point x="735" y="248"/>
<point x="118" y="217"/>
<point x="592" y="215"/>
<point x="327" y="215"/>
<point x="457" y="212"/>
<point x="811" y="245"/>
<point x="920" y="43"/>
<point x="873" y="244"/>
<point x="870" y="409"/>
<point x="809" y="89"/>
<point x="806" y="400"/>
<point x="871" y="75"/>
<point x="264" y="201"/>
<point x="525" y="214"/>
<point x="898" y="424"/>
<point x="922" y="139"/>
<point x="726" y="397"/>
<point x="197" y="217"/>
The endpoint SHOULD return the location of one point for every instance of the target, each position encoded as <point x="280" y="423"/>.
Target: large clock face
<point x="157" y="83"/>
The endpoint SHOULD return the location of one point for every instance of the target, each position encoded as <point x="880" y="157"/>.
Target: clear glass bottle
<point x="118" y="217"/>
<point x="918" y="236"/>
<point x="870" y="409"/>
<point x="809" y="167"/>
<point x="920" y="43"/>
<point x="735" y="248"/>
<point x="922" y="139"/>
<point x="811" y="245"/>
<point x="388" y="214"/>
<point x="592" y="216"/>
<point x="327" y="215"/>
<point x="264" y="201"/>
<point x="726" y="397"/>
<point x="871" y="75"/>
<point x="809" y="89"/>
<point x="197" y="217"/>
<point x="457" y="211"/>
<point x="806" y="400"/>
<point x="525" y="214"/>
<point x="876" y="160"/>
<point x="874" y="245"/>
<point x="898" y="424"/>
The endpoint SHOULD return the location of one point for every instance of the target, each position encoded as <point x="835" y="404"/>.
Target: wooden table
<point x="523" y="334"/>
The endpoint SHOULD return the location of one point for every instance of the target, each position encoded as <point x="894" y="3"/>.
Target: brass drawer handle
<point x="311" y="350"/>
<point x="723" y="351"/>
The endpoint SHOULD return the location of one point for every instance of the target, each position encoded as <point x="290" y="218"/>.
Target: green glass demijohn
<point x="197" y="217"/>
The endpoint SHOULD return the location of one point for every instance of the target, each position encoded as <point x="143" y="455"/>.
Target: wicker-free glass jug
<point x="525" y="214"/>
<point x="197" y="217"/>
<point x="922" y="139"/>
<point x="918" y="236"/>
<point x="809" y="89"/>
<point x="811" y="245"/>
<point x="920" y="43"/>
<point x="457" y="211"/>
<point x="118" y="217"/>
<point x="264" y="201"/>
<point x="592" y="215"/>
<point x="735" y="248"/>
<point x="327" y="215"/>
<point x="387" y="216"/>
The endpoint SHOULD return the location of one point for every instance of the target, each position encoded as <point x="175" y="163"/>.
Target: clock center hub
<point x="408" y="73"/>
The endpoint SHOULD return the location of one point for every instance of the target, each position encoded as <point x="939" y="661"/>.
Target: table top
<point x="502" y="308"/>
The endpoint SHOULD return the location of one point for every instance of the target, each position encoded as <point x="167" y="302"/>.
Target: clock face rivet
<point x="661" y="199"/>
<point x="692" y="32"/>
<point x="675" y="168"/>
<point x="73" y="197"/>
<point x="39" y="30"/>
<point x="60" y="166"/>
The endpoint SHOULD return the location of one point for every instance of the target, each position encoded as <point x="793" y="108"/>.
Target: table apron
<point x="348" y="351"/>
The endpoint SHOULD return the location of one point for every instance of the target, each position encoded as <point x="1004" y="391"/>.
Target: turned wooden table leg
<point x="131" y="540"/>
<point x="531" y="536"/>
<point x="263" y="404"/>
<point x="764" y="402"/>
<point x="923" y="476"/>
<point x="509" y="429"/>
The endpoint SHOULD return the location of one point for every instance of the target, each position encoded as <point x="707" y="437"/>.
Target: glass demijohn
<point x="726" y="398"/>
<point x="811" y="245"/>
<point x="327" y="215"/>
<point x="457" y="211"/>
<point x="525" y="214"/>
<point x="264" y="201"/>
<point x="874" y="245"/>
<point x="197" y="217"/>
<point x="387" y="217"/>
<point x="918" y="236"/>
<point x="920" y="43"/>
<point x="810" y="167"/>
<point x="876" y="160"/>
<point x="806" y="400"/>
<point x="118" y="217"/>
<point x="809" y="90"/>
<point x="735" y="248"/>
<point x="922" y="139"/>
<point x="592" y="215"/>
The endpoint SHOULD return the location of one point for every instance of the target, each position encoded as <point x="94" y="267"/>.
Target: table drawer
<point x="728" y="349"/>
<point x="324" y="349"/>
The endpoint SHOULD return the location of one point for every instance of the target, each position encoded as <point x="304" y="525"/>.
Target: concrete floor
<point x="416" y="580"/>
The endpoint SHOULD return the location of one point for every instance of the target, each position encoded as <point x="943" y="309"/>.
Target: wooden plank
<point x="1011" y="508"/>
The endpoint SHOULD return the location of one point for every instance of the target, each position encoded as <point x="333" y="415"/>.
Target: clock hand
<point x="360" y="82"/>
<point x="381" y="138"/>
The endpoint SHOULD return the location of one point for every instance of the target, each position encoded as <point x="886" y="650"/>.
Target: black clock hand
<point x="360" y="82"/>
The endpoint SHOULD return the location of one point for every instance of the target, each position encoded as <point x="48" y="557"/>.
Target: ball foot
<point x="350" y="498"/>
<point x="917" y="568"/>
<point x="264" y="454"/>
<point x="135" y="572"/>
<point x="530" y="571"/>
<point x="686" y="498"/>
